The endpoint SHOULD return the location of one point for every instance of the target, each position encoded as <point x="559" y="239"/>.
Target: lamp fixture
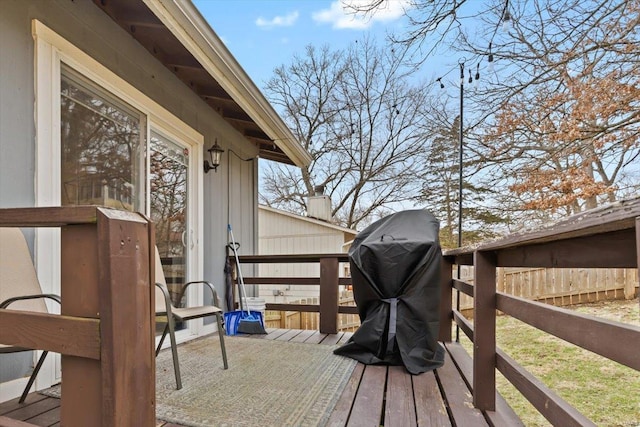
<point x="215" y="152"/>
<point x="506" y="17"/>
<point x="490" y="59"/>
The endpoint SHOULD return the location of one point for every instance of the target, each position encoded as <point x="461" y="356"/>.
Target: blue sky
<point x="264" y="34"/>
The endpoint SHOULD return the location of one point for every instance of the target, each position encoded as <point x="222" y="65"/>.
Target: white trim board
<point x="12" y="389"/>
<point x="51" y="50"/>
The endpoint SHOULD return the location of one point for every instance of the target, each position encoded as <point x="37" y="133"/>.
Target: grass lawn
<point x="604" y="391"/>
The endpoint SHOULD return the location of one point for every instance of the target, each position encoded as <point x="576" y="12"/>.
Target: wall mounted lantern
<point x="215" y="152"/>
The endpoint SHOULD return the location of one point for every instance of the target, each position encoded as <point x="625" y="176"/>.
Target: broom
<point x="249" y="324"/>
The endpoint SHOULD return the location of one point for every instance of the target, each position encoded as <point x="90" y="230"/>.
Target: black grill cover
<point x="395" y="268"/>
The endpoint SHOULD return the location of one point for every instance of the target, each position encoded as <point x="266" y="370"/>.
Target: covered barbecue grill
<point x="395" y="268"/>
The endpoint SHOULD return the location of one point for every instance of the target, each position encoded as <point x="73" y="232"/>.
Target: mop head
<point x="251" y="324"/>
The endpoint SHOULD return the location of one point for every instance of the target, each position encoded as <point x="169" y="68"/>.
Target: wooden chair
<point x="166" y="311"/>
<point x="20" y="289"/>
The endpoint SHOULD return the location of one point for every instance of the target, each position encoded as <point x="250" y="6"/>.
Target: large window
<point x="169" y="208"/>
<point x="103" y="146"/>
<point x="103" y="153"/>
<point x="100" y="140"/>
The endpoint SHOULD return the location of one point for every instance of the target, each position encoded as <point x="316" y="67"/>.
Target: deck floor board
<point x="342" y="410"/>
<point x="368" y="406"/>
<point x="48" y="418"/>
<point x="316" y="338"/>
<point x="457" y="395"/>
<point x="400" y="410"/>
<point x="430" y="408"/>
<point x="303" y="336"/>
<point x="374" y="395"/>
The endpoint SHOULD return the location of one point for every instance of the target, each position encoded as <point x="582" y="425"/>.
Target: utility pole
<point x="460" y="184"/>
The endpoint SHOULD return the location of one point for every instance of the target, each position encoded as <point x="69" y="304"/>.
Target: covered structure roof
<point x="175" y="33"/>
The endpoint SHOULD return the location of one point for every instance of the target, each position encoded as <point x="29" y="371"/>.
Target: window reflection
<point x="102" y="141"/>
<point x="168" y="180"/>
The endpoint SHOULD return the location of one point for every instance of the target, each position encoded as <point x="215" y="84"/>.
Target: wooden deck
<point x="374" y="395"/>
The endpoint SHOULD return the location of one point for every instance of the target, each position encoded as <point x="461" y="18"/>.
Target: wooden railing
<point x="329" y="282"/>
<point x="105" y="329"/>
<point x="606" y="238"/>
<point x="288" y="319"/>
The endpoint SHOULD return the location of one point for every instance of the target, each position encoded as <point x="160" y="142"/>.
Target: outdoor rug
<point x="268" y="383"/>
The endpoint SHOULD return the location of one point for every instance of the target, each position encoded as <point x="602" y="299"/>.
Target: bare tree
<point x="557" y="123"/>
<point x="357" y="114"/>
<point x="431" y="22"/>
<point x="568" y="128"/>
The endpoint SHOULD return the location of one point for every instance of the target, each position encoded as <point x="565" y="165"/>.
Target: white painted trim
<point x="47" y="190"/>
<point x="50" y="51"/>
<point x="12" y="389"/>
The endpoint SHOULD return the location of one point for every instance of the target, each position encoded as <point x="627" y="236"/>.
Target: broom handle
<point x="235" y="253"/>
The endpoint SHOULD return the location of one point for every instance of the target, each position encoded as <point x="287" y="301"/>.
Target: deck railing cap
<point x="616" y="216"/>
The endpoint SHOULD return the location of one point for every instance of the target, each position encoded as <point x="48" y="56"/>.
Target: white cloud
<point x="278" y="21"/>
<point x="341" y="14"/>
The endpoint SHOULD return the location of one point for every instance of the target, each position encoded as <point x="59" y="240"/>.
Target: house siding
<point x="227" y="193"/>
<point x="17" y="130"/>
<point x="285" y="234"/>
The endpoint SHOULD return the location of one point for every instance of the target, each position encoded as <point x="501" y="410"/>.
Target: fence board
<point x="560" y="286"/>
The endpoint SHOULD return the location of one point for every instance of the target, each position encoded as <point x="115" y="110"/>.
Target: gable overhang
<point x="348" y="232"/>
<point x="176" y="34"/>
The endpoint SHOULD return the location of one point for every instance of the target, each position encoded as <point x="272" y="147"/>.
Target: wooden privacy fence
<point x="564" y="286"/>
<point x="307" y="320"/>
<point x="561" y="286"/>
<point x="105" y="329"/>
<point x="604" y="238"/>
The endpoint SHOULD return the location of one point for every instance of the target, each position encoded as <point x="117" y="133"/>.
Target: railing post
<point x="446" y="300"/>
<point x="484" y="335"/>
<point x="107" y="271"/>
<point x="638" y="251"/>
<point x="329" y="274"/>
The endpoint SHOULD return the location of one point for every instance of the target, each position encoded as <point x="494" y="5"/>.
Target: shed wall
<point x="283" y="234"/>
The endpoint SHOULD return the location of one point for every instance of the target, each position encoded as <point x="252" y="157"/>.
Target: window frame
<point x="50" y="51"/>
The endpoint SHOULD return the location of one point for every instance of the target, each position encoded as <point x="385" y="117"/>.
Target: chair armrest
<point x="167" y="298"/>
<point x="9" y="301"/>
<point x="184" y="287"/>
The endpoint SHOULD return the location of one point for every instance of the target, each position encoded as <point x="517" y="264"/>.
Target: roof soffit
<point x="175" y="33"/>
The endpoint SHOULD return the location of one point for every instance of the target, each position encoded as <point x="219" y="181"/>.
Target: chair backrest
<point x="160" y="304"/>
<point x="17" y="273"/>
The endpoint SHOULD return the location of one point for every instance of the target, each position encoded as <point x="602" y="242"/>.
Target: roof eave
<point x="186" y="23"/>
